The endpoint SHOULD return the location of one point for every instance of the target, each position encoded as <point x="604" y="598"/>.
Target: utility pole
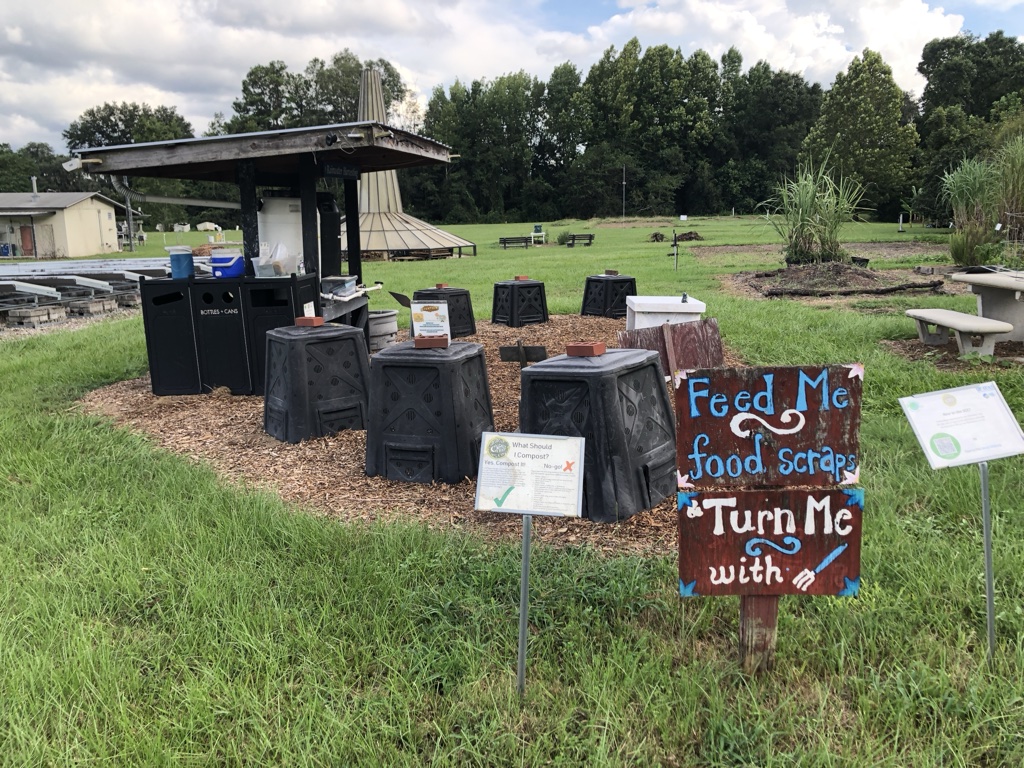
<point x="128" y="218"/>
<point x="623" y="195"/>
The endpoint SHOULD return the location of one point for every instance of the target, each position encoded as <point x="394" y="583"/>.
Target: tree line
<point x="644" y="132"/>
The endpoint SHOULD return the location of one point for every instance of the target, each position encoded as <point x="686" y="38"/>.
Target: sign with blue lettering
<point x="764" y="427"/>
<point x="773" y="542"/>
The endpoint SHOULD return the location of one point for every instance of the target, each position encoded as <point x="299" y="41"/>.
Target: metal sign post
<point x="968" y="425"/>
<point x="990" y="589"/>
<point x="528" y="475"/>
<point x="524" y="595"/>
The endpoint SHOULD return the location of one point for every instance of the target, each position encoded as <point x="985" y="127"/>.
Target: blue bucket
<point x="182" y="265"/>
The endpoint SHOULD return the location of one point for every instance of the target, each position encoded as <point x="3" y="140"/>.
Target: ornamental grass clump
<point x="809" y="210"/>
<point x="985" y="196"/>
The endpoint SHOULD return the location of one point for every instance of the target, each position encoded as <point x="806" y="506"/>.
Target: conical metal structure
<point x="378" y="192"/>
<point x="383" y="227"/>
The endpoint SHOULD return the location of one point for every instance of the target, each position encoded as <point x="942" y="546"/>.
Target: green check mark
<point x="501" y="499"/>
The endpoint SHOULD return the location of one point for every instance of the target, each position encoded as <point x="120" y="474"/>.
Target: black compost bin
<point x="274" y="302"/>
<point x="427" y="410"/>
<point x="519" y="302"/>
<point x="605" y="295"/>
<point x="317" y="381"/>
<point x="460" y="308"/>
<point x="619" y="403"/>
<point x="170" y="336"/>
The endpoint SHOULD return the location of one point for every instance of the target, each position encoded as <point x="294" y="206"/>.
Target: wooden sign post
<point x="767" y="458"/>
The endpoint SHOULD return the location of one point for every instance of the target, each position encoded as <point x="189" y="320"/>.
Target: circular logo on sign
<point x="944" y="446"/>
<point x="497" y="447"/>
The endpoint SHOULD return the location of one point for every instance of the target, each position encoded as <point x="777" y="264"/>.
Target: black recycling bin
<point x="274" y="302"/>
<point x="170" y="336"/>
<point x="619" y="403"/>
<point x="460" y="308"/>
<point x="519" y="302"/>
<point x="428" y="408"/>
<point x="317" y="381"/>
<point x="224" y="355"/>
<point x="605" y="295"/>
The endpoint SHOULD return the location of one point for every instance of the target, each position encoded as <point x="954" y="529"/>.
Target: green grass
<point x="151" y="614"/>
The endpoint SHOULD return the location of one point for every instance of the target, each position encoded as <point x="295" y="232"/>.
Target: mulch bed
<point x="327" y="475"/>
<point x="835" y="279"/>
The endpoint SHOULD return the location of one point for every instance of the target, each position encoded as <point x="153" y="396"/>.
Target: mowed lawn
<point x="153" y="614"/>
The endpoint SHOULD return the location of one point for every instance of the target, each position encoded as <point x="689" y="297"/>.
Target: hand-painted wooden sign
<point x="773" y="542"/>
<point x="757" y="427"/>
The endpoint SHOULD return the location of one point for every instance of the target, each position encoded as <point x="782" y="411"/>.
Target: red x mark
<point x="568" y="466"/>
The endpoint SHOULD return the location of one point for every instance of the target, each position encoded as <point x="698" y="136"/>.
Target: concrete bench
<point x="966" y="327"/>
<point x="525" y="242"/>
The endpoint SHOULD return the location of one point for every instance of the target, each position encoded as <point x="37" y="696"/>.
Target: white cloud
<point x="64" y="56"/>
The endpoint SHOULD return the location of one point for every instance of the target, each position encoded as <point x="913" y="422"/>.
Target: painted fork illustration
<point x="805" y="578"/>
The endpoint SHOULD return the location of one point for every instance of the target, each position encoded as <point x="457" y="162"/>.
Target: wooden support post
<point x="308" y="213"/>
<point x="246" y="177"/>
<point x="759" y="621"/>
<point x="355" y="256"/>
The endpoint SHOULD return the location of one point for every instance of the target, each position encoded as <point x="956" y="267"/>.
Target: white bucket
<point x="383" y="325"/>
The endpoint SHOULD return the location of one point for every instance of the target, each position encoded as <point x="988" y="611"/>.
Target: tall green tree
<point x="265" y="102"/>
<point x="131" y="123"/>
<point x="564" y="122"/>
<point x="950" y="135"/>
<point x="112" y="124"/>
<point x="16" y="170"/>
<point x="39" y="160"/>
<point x="969" y="73"/>
<point x="325" y="92"/>
<point x="861" y="133"/>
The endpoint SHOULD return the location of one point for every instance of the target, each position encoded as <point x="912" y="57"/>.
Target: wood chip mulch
<point x="327" y="475"/>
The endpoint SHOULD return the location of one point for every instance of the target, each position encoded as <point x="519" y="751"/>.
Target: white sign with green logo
<point x="965" y="425"/>
<point x="530" y="474"/>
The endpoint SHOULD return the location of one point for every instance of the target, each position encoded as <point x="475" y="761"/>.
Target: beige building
<point x="58" y="225"/>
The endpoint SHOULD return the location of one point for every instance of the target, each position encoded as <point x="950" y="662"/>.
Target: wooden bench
<point x="965" y="326"/>
<point x="585" y="239"/>
<point x="505" y="242"/>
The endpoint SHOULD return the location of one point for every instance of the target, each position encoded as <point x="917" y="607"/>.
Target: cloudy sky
<point x="60" y="57"/>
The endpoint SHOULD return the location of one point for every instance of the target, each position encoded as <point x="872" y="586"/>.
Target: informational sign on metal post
<point x="529" y="475"/>
<point x="965" y="425"/>
<point x="968" y="425"/>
